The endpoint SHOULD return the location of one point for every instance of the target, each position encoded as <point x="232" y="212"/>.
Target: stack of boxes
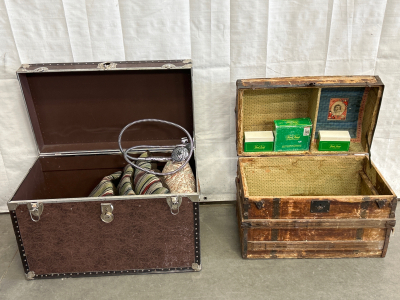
<point x="295" y="135"/>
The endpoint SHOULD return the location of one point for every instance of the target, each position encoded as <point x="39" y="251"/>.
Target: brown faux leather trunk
<point x="312" y="204"/>
<point x="77" y="111"/>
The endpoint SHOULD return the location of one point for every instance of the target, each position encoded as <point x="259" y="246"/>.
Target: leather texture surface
<point x="71" y="237"/>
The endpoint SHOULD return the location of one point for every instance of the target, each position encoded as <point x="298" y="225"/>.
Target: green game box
<point x="258" y="141"/>
<point x="333" y="140"/>
<point x="292" y="134"/>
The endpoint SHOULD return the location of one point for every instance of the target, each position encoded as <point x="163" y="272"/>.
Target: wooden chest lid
<point x="83" y="106"/>
<point x="357" y="100"/>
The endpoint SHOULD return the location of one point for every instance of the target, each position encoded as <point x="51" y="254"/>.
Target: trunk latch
<point x="174" y="203"/>
<point x="106" y="212"/>
<point x="320" y="206"/>
<point x="35" y="210"/>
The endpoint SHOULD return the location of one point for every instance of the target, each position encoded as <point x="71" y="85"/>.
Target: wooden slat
<point x="346" y="208"/>
<point x="312" y="254"/>
<point x="315" y="245"/>
<point x="316" y="234"/>
<point x="320" y="223"/>
<point x="368" y="182"/>
<point x="309" y="81"/>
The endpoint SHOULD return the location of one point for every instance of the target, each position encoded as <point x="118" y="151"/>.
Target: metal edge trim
<point x="187" y="65"/>
<point x="194" y="140"/>
<point x="101" y="152"/>
<point x="20" y="244"/>
<point x="114" y="273"/>
<point x="12" y="205"/>
<point x="196" y="220"/>
<point x="108" y="70"/>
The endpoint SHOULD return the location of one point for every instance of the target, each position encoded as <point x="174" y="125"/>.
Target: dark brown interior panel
<point x="71" y="176"/>
<point x="76" y="111"/>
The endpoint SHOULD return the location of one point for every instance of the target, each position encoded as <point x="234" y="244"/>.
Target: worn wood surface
<point x="300" y="209"/>
<point x="325" y="234"/>
<point x="368" y="182"/>
<point x="311" y="238"/>
<point x="312" y="254"/>
<point x="315" y="245"/>
<point x="309" y="81"/>
<point x="318" y="223"/>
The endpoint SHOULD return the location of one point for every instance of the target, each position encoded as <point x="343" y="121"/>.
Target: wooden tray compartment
<point x="258" y="108"/>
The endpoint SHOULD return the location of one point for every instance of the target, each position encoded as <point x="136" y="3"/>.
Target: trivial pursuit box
<point x="292" y="134"/>
<point x="333" y="140"/>
<point x="258" y="141"/>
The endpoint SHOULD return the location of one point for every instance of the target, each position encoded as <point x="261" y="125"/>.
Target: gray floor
<point x="225" y="274"/>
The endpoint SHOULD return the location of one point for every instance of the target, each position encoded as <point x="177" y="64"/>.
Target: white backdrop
<point x="227" y="40"/>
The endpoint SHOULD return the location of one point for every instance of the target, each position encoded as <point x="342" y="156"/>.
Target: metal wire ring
<point x="130" y="159"/>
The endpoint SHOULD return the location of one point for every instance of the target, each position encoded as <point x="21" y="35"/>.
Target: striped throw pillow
<point x="146" y="183"/>
<point x="106" y="187"/>
<point x="125" y="185"/>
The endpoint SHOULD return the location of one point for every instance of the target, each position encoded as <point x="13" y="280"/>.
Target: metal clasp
<point x="106" y="212"/>
<point x="168" y="66"/>
<point x="107" y="65"/>
<point x="41" y="69"/>
<point x="318" y="206"/>
<point x="35" y="210"/>
<point x="174" y="203"/>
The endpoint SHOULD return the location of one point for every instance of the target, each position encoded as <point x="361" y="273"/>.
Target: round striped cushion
<point x="125" y="185"/>
<point x="106" y="187"/>
<point x="146" y="183"/>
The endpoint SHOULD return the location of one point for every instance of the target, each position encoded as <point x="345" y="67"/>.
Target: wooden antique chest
<point x="312" y="204"/>
<point x="77" y="112"/>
